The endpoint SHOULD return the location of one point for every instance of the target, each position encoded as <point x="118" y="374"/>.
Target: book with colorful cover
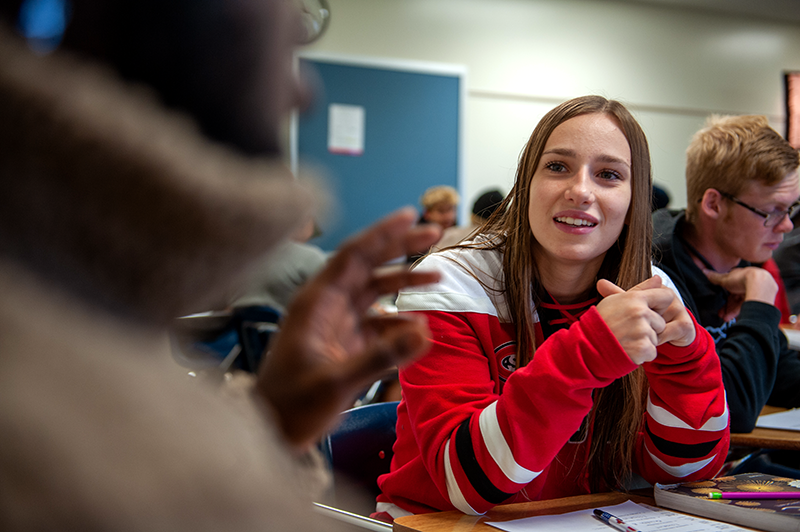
<point x="777" y="515"/>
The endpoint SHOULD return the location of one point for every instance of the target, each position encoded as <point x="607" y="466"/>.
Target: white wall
<point x="671" y="67"/>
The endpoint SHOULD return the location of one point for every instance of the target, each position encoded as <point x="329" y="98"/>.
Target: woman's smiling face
<point x="580" y="191"/>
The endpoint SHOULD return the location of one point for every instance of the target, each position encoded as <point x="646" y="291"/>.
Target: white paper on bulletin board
<point x="346" y="129"/>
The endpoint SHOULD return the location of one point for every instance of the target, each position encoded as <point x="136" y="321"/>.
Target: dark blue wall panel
<point x="410" y="141"/>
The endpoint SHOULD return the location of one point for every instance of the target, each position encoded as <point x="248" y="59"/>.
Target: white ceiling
<point x="781" y="10"/>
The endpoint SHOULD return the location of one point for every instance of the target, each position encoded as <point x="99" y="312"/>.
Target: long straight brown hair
<point x="618" y="408"/>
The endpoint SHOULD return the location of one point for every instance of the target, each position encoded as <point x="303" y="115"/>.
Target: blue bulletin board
<point x="411" y="137"/>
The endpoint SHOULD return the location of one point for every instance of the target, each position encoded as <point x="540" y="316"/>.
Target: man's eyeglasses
<point x="771" y="219"/>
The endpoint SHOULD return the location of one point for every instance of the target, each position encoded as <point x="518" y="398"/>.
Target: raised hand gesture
<point x="329" y="348"/>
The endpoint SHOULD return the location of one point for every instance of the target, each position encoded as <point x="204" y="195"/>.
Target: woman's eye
<point x="610" y="175"/>
<point x="555" y="166"/>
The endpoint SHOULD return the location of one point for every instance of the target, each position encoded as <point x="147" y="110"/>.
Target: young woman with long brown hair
<point x="558" y="365"/>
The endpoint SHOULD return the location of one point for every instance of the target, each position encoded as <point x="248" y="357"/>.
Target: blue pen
<point x="614" y="521"/>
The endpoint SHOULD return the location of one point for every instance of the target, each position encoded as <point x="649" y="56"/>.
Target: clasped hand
<point x="744" y="284"/>
<point x="644" y="317"/>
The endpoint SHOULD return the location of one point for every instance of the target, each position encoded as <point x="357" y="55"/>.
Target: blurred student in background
<point x="787" y="258"/>
<point x="661" y="198"/>
<point x="440" y="206"/>
<point x="274" y="281"/>
<point x="482" y="209"/>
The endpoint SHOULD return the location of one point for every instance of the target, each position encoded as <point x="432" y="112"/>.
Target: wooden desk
<point x="768" y="438"/>
<point x="458" y="522"/>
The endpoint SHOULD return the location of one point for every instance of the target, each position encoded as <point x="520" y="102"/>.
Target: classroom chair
<point x="359" y="450"/>
<point x="223" y="340"/>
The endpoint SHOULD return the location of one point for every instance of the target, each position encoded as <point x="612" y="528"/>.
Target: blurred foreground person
<point x="117" y="214"/>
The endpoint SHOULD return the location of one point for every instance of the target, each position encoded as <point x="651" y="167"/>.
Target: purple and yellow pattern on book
<point x="764" y="514"/>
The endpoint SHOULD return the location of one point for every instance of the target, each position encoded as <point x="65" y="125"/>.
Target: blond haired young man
<point x="742" y="189"/>
<point x="439" y="205"/>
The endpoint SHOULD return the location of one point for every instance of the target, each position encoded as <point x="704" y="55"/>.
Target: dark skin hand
<point x="329" y="348"/>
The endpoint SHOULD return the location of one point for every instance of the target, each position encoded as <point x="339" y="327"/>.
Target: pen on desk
<point x="614" y="521"/>
<point x="755" y="495"/>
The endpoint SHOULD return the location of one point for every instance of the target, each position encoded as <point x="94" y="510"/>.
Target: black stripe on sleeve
<point x="476" y="475"/>
<point x="681" y="450"/>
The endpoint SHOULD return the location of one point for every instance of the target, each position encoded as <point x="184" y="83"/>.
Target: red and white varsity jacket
<point x="473" y="433"/>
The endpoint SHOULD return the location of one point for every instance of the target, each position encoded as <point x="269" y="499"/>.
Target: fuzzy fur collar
<point x="105" y="192"/>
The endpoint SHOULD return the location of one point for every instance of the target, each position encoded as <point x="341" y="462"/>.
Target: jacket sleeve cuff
<point x="670" y="355"/>
<point x="760" y="311"/>
<point x="613" y="362"/>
